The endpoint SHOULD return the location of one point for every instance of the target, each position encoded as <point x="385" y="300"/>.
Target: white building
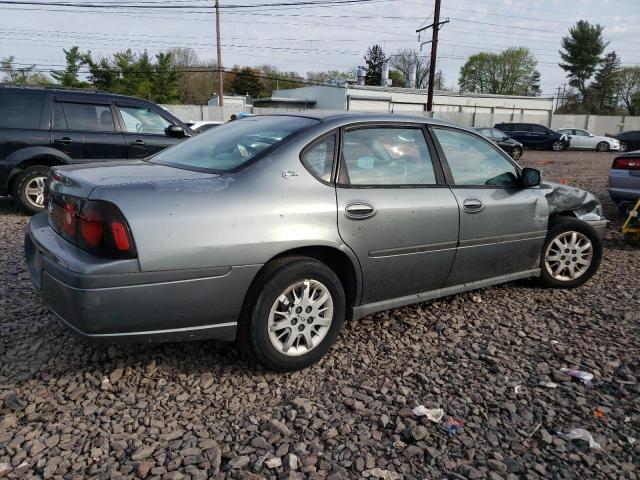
<point x="412" y="101"/>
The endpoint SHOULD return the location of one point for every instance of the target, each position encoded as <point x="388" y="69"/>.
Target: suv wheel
<point x="296" y="313"/>
<point x="571" y="253"/>
<point x="516" y="153"/>
<point x="602" y="147"/>
<point x="28" y="189"/>
<point x="557" y="146"/>
<point x="623" y="147"/>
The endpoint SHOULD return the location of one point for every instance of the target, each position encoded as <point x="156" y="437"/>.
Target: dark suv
<point x="41" y="127"/>
<point x="532" y="135"/>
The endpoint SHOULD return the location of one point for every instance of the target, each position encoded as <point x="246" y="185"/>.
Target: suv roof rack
<point x="53" y="87"/>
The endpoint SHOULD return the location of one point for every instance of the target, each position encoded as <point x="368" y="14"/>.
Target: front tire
<point x="297" y="308"/>
<point x="602" y="147"/>
<point x="516" y="153"/>
<point x="28" y="189"/>
<point x="623" y="147"/>
<point x="571" y="254"/>
<point x="557" y="146"/>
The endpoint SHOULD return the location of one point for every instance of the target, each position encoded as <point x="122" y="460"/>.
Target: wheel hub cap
<point x="300" y="317"/>
<point x="34" y="191"/>
<point x="568" y="256"/>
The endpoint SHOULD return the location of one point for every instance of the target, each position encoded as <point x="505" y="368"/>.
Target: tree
<point x="405" y="59"/>
<point x="246" y="82"/>
<point x="69" y="76"/>
<point x="375" y="58"/>
<point x="322" y="78"/>
<point x="197" y="79"/>
<point x="274" y="79"/>
<point x="629" y="89"/>
<point x="164" y="82"/>
<point x="605" y="85"/>
<point x="533" y="87"/>
<point x="581" y="54"/>
<point x="397" y="79"/>
<point x="22" y="75"/>
<point x="511" y="72"/>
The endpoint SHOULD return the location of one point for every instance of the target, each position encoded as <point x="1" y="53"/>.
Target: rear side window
<point x="506" y="127"/>
<point x="82" y="117"/>
<point x="318" y="158"/>
<point x="20" y="110"/>
<point x="387" y="156"/>
<point x="537" y="129"/>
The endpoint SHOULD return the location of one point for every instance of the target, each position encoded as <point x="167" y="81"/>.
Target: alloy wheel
<point x="516" y="154"/>
<point x="568" y="256"/>
<point x="34" y="191"/>
<point x="557" y="146"/>
<point x="300" y="317"/>
<point x="602" y="147"/>
<point x="623" y="147"/>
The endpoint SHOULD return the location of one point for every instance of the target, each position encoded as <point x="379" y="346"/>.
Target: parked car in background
<point x="580" y="139"/>
<point x="203" y="126"/>
<point x="624" y="180"/>
<point x="532" y="135"/>
<point x="272" y="229"/>
<point x="629" y="140"/>
<point x="504" y="141"/>
<point x="43" y="127"/>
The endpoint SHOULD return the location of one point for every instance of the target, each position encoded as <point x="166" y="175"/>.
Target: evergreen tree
<point x="375" y="58"/>
<point x="246" y="82"/>
<point x="22" y="75"/>
<point x="164" y="83"/>
<point x="581" y="54"/>
<point x="533" y="89"/>
<point x="75" y="61"/>
<point x="605" y="85"/>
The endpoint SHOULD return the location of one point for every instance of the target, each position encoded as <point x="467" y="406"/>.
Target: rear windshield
<point x="233" y="144"/>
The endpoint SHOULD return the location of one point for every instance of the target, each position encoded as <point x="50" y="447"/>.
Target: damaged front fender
<point x="566" y="199"/>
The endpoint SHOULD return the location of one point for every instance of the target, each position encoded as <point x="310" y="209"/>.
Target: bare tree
<point x="403" y="60"/>
<point x="629" y="89"/>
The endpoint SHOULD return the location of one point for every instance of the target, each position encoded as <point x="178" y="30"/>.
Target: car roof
<point x="66" y="91"/>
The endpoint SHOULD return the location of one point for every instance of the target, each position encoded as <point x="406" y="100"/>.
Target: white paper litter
<point x="433" y="414"/>
<point x="581" y="434"/>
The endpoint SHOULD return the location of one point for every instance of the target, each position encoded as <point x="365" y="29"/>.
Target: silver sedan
<point x="584" y="140"/>
<point x="272" y="230"/>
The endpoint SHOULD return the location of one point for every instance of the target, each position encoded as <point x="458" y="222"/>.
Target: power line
<point x="140" y="5"/>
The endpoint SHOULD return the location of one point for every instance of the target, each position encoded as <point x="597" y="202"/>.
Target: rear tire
<point x="295" y="312"/>
<point x="571" y="254"/>
<point x="28" y="189"/>
<point x="602" y="147"/>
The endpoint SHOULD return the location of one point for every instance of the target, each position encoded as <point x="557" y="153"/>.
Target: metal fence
<point x="597" y="124"/>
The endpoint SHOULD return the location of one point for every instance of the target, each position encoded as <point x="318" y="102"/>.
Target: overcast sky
<point x="320" y="38"/>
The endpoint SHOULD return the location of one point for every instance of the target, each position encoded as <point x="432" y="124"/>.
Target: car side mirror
<point x="591" y="135"/>
<point x="530" y="177"/>
<point x="175" y="131"/>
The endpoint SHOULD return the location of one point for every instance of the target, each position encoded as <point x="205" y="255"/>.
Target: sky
<point x="313" y="38"/>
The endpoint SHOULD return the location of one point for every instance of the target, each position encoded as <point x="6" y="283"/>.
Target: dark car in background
<point x="42" y="127"/>
<point x="504" y="141"/>
<point x="629" y="140"/>
<point x="532" y="135"/>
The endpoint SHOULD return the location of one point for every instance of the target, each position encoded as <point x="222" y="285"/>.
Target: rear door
<point x="144" y="129"/>
<point x="581" y="139"/>
<point x="395" y="210"/>
<point x="85" y="130"/>
<point x="502" y="225"/>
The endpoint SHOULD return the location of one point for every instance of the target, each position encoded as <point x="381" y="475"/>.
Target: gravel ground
<point x="199" y="410"/>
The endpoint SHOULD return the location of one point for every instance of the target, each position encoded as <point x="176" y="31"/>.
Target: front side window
<point x="20" y="110"/>
<point x="473" y="161"/>
<point x="319" y="157"/>
<point x="387" y="156"/>
<point x="82" y="117"/>
<point x="233" y="144"/>
<point x="143" y="120"/>
<point x="497" y="133"/>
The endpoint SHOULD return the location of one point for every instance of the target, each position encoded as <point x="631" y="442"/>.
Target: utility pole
<point x="220" y="76"/>
<point x="434" y="51"/>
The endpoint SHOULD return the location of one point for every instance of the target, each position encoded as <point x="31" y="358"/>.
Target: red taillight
<point x="91" y="227"/>
<point x="120" y="236"/>
<point x="626" y="163"/>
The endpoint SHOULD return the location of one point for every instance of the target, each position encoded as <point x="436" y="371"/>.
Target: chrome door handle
<point x="359" y="210"/>
<point x="137" y="142"/>
<point x="472" y="205"/>
<point x="63" y="140"/>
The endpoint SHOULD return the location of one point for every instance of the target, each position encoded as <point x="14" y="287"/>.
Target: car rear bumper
<point x="624" y="185"/>
<point x="138" y="307"/>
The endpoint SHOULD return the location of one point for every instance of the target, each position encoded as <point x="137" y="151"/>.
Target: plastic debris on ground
<point x="598" y="413"/>
<point x="580" y="434"/>
<point x="584" y="377"/>
<point x="519" y="389"/>
<point x="631" y="440"/>
<point x="453" y="425"/>
<point x="548" y="384"/>
<point x="432" y="414"/>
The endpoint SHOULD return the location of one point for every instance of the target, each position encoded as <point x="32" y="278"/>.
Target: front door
<point x="502" y="225"/>
<point x="144" y="130"/>
<point x="395" y="211"/>
<point x="86" y="131"/>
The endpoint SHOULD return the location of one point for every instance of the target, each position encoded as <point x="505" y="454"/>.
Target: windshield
<point x="233" y="144"/>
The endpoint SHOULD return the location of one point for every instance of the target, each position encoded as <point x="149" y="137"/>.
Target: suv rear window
<point x="20" y="109"/>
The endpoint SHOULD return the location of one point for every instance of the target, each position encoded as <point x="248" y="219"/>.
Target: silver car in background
<point x="271" y="230"/>
<point x="580" y="139"/>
